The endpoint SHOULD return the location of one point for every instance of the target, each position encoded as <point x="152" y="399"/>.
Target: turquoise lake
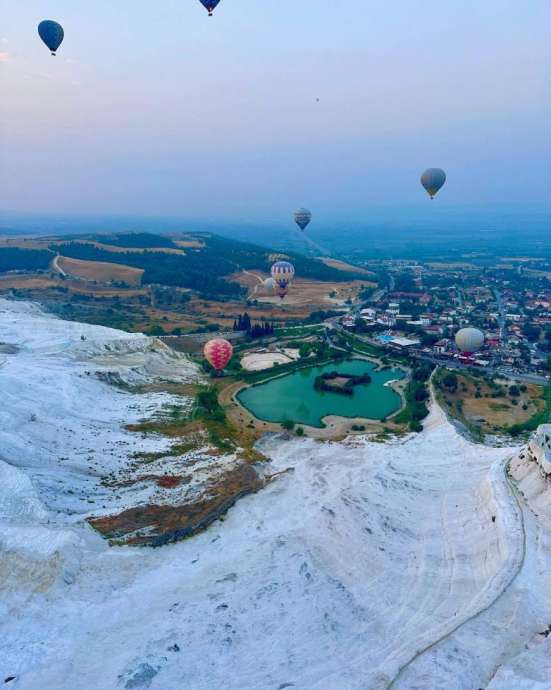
<point x="293" y="397"/>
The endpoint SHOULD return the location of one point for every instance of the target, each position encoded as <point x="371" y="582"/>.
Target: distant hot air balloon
<point x="283" y="273"/>
<point x="218" y="353"/>
<point x="469" y="339"/>
<point x="51" y="33"/>
<point x="210" y="5"/>
<point x="269" y="284"/>
<point x="433" y="180"/>
<point x="303" y="218"/>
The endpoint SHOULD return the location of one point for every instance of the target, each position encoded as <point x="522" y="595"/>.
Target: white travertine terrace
<point x="412" y="564"/>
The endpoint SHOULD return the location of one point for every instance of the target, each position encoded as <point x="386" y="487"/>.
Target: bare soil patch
<point x="474" y="400"/>
<point x="346" y="267"/>
<point x="156" y="525"/>
<point x="101" y="271"/>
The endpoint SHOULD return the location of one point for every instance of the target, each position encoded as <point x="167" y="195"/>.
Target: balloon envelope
<point x="218" y="353"/>
<point x="469" y="339"/>
<point x="51" y="33"/>
<point x="269" y="284"/>
<point x="433" y="180"/>
<point x="210" y="5"/>
<point x="283" y="273"/>
<point x="303" y="218"/>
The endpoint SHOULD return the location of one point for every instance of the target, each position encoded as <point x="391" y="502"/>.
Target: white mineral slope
<point x="531" y="668"/>
<point x="369" y="566"/>
<point x="61" y="433"/>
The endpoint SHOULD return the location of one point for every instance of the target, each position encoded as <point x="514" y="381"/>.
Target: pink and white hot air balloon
<point x="218" y="353"/>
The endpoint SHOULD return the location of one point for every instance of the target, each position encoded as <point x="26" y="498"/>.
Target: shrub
<point x="299" y="431"/>
<point x="288" y="424"/>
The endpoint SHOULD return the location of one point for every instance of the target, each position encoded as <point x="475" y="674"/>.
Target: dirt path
<point x="56" y="267"/>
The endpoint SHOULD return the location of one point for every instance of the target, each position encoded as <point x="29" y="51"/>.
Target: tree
<point x="288" y="424"/>
<point x="531" y="332"/>
<point x="450" y="380"/>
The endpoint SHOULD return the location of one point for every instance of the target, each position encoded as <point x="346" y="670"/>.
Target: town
<point x="425" y="304"/>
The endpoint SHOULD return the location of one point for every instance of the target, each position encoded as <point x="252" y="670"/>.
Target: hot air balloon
<point x="269" y="284"/>
<point x="469" y="339"/>
<point x="51" y="33"/>
<point x="210" y="5"/>
<point x="433" y="180"/>
<point x="283" y="273"/>
<point x="218" y="353"/>
<point x="303" y="218"/>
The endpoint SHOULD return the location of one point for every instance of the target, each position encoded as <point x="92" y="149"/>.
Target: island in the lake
<point x="335" y="382"/>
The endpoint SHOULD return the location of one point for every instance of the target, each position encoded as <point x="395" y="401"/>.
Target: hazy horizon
<point x="160" y="111"/>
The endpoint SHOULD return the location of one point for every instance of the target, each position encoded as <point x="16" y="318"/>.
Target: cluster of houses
<point x="513" y="318"/>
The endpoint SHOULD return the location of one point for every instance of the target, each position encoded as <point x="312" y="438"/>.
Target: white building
<point x="393" y="308"/>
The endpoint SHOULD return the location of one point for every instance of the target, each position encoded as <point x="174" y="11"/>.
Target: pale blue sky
<point x="153" y="108"/>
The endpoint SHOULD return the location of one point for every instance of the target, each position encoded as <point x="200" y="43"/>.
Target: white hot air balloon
<point x="469" y="339"/>
<point x="269" y="284"/>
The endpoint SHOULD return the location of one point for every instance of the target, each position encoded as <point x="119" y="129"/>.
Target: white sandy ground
<point x="370" y="566"/>
<point x="263" y="360"/>
<point x="258" y="361"/>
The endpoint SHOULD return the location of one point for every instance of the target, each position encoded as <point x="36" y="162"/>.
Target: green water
<point x="294" y="397"/>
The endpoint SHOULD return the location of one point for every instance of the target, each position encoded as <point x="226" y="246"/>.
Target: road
<point x="493" y="371"/>
<point x="56" y="267"/>
<point x="502" y="316"/>
<point x="332" y="324"/>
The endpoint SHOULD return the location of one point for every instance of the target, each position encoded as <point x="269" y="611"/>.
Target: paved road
<point x="502" y="320"/>
<point x="493" y="371"/>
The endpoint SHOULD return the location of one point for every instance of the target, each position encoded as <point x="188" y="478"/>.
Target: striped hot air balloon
<point x="283" y="273"/>
<point x="218" y="353"/>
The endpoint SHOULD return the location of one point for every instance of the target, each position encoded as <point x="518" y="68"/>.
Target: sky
<point x="154" y="108"/>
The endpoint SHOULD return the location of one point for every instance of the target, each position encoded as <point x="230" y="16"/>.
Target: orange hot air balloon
<point x="218" y="353"/>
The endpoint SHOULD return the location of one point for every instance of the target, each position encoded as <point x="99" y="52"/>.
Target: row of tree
<point x="260" y="329"/>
